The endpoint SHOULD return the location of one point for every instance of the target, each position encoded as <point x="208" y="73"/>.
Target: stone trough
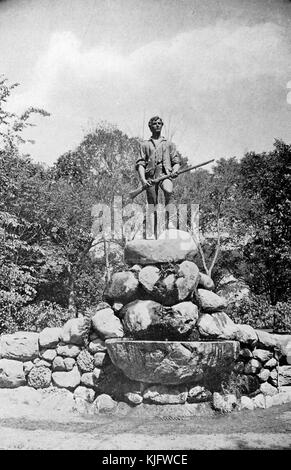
<point x="173" y="362"/>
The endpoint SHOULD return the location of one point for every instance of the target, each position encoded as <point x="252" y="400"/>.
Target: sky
<point x="217" y="72"/>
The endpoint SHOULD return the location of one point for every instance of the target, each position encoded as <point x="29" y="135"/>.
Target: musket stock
<point x="139" y="190"/>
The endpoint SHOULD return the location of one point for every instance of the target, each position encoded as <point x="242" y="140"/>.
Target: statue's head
<point x="156" y="123"/>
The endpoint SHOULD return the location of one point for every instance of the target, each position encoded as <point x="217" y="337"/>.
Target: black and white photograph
<point x="145" y="214"/>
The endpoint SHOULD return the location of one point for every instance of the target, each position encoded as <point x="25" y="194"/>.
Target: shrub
<point x="33" y="317"/>
<point x="257" y="312"/>
<point x="254" y="311"/>
<point x="282" y="317"/>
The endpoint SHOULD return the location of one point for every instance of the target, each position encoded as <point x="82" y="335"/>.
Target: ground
<point x="258" y="429"/>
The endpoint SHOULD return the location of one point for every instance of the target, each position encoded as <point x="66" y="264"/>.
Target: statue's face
<point x="156" y="125"/>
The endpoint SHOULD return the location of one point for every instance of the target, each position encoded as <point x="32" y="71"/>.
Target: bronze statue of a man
<point x="157" y="157"/>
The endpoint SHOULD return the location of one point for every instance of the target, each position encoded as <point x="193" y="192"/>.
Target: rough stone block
<point x="11" y="373"/>
<point x="19" y="346"/>
<point x="49" y="337"/>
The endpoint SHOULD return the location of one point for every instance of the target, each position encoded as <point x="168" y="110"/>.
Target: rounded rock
<point x="253" y="367"/>
<point x="211" y="302"/>
<point x="39" y="377"/>
<point x="69" y="363"/>
<point x="73" y="331"/>
<point x="69" y="380"/>
<point x="11" y="373"/>
<point x="105" y="404"/>
<point x="247" y="403"/>
<point x="96" y="346"/>
<point x="99" y="358"/>
<point x="85" y="361"/>
<point x="49" y="354"/>
<point x="49" y="337"/>
<point x="205" y="282"/>
<point x="107" y="324"/>
<point x="58" y="364"/>
<point x="68" y="350"/>
<point x="263" y="375"/>
<point x="84" y="393"/>
<point x="19" y="346"/>
<point x="262" y="354"/>
<point x="268" y="389"/>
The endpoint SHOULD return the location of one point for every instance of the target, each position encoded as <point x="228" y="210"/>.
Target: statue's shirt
<point x="152" y="153"/>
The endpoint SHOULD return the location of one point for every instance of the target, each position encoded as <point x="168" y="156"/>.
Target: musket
<point x="139" y="190"/>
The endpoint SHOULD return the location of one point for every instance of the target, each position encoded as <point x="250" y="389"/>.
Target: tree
<point x="215" y="193"/>
<point x="265" y="186"/>
<point x="12" y="125"/>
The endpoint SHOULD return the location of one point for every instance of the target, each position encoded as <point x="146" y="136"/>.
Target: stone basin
<point x="173" y="362"/>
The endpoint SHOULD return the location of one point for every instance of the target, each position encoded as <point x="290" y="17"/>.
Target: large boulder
<point x="148" y="277"/>
<point x="21" y="346"/>
<point x="73" y="331"/>
<point x="218" y="325"/>
<point x="284" y="375"/>
<point x="123" y="287"/>
<point x="49" y="337"/>
<point x="11" y="374"/>
<point x="172" y="247"/>
<point x="266" y="340"/>
<point x="146" y="319"/>
<point x="69" y="380"/>
<point x="106" y="324"/>
<point x="170" y="284"/>
<point x="172" y="362"/>
<point x="188" y="277"/>
<point x="139" y="315"/>
<point x="211" y="302"/>
<point x="246" y="334"/>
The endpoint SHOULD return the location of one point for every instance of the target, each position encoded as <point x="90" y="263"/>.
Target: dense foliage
<point x="46" y="271"/>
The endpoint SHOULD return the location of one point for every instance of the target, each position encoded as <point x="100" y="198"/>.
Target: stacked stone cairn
<point x="161" y="338"/>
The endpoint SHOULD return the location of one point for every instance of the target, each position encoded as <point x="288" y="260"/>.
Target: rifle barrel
<point x="139" y="190"/>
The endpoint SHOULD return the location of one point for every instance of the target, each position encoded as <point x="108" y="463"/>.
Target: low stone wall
<point x="59" y="358"/>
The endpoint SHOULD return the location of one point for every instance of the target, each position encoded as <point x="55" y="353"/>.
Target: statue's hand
<point x="174" y="173"/>
<point x="147" y="182"/>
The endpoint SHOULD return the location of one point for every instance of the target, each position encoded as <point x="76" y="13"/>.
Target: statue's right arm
<point x="140" y="166"/>
<point x="141" y="174"/>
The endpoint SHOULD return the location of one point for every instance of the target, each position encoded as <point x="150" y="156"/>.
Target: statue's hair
<point x="153" y="119"/>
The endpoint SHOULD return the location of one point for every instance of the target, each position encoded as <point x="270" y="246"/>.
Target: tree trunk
<point x="72" y="294"/>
